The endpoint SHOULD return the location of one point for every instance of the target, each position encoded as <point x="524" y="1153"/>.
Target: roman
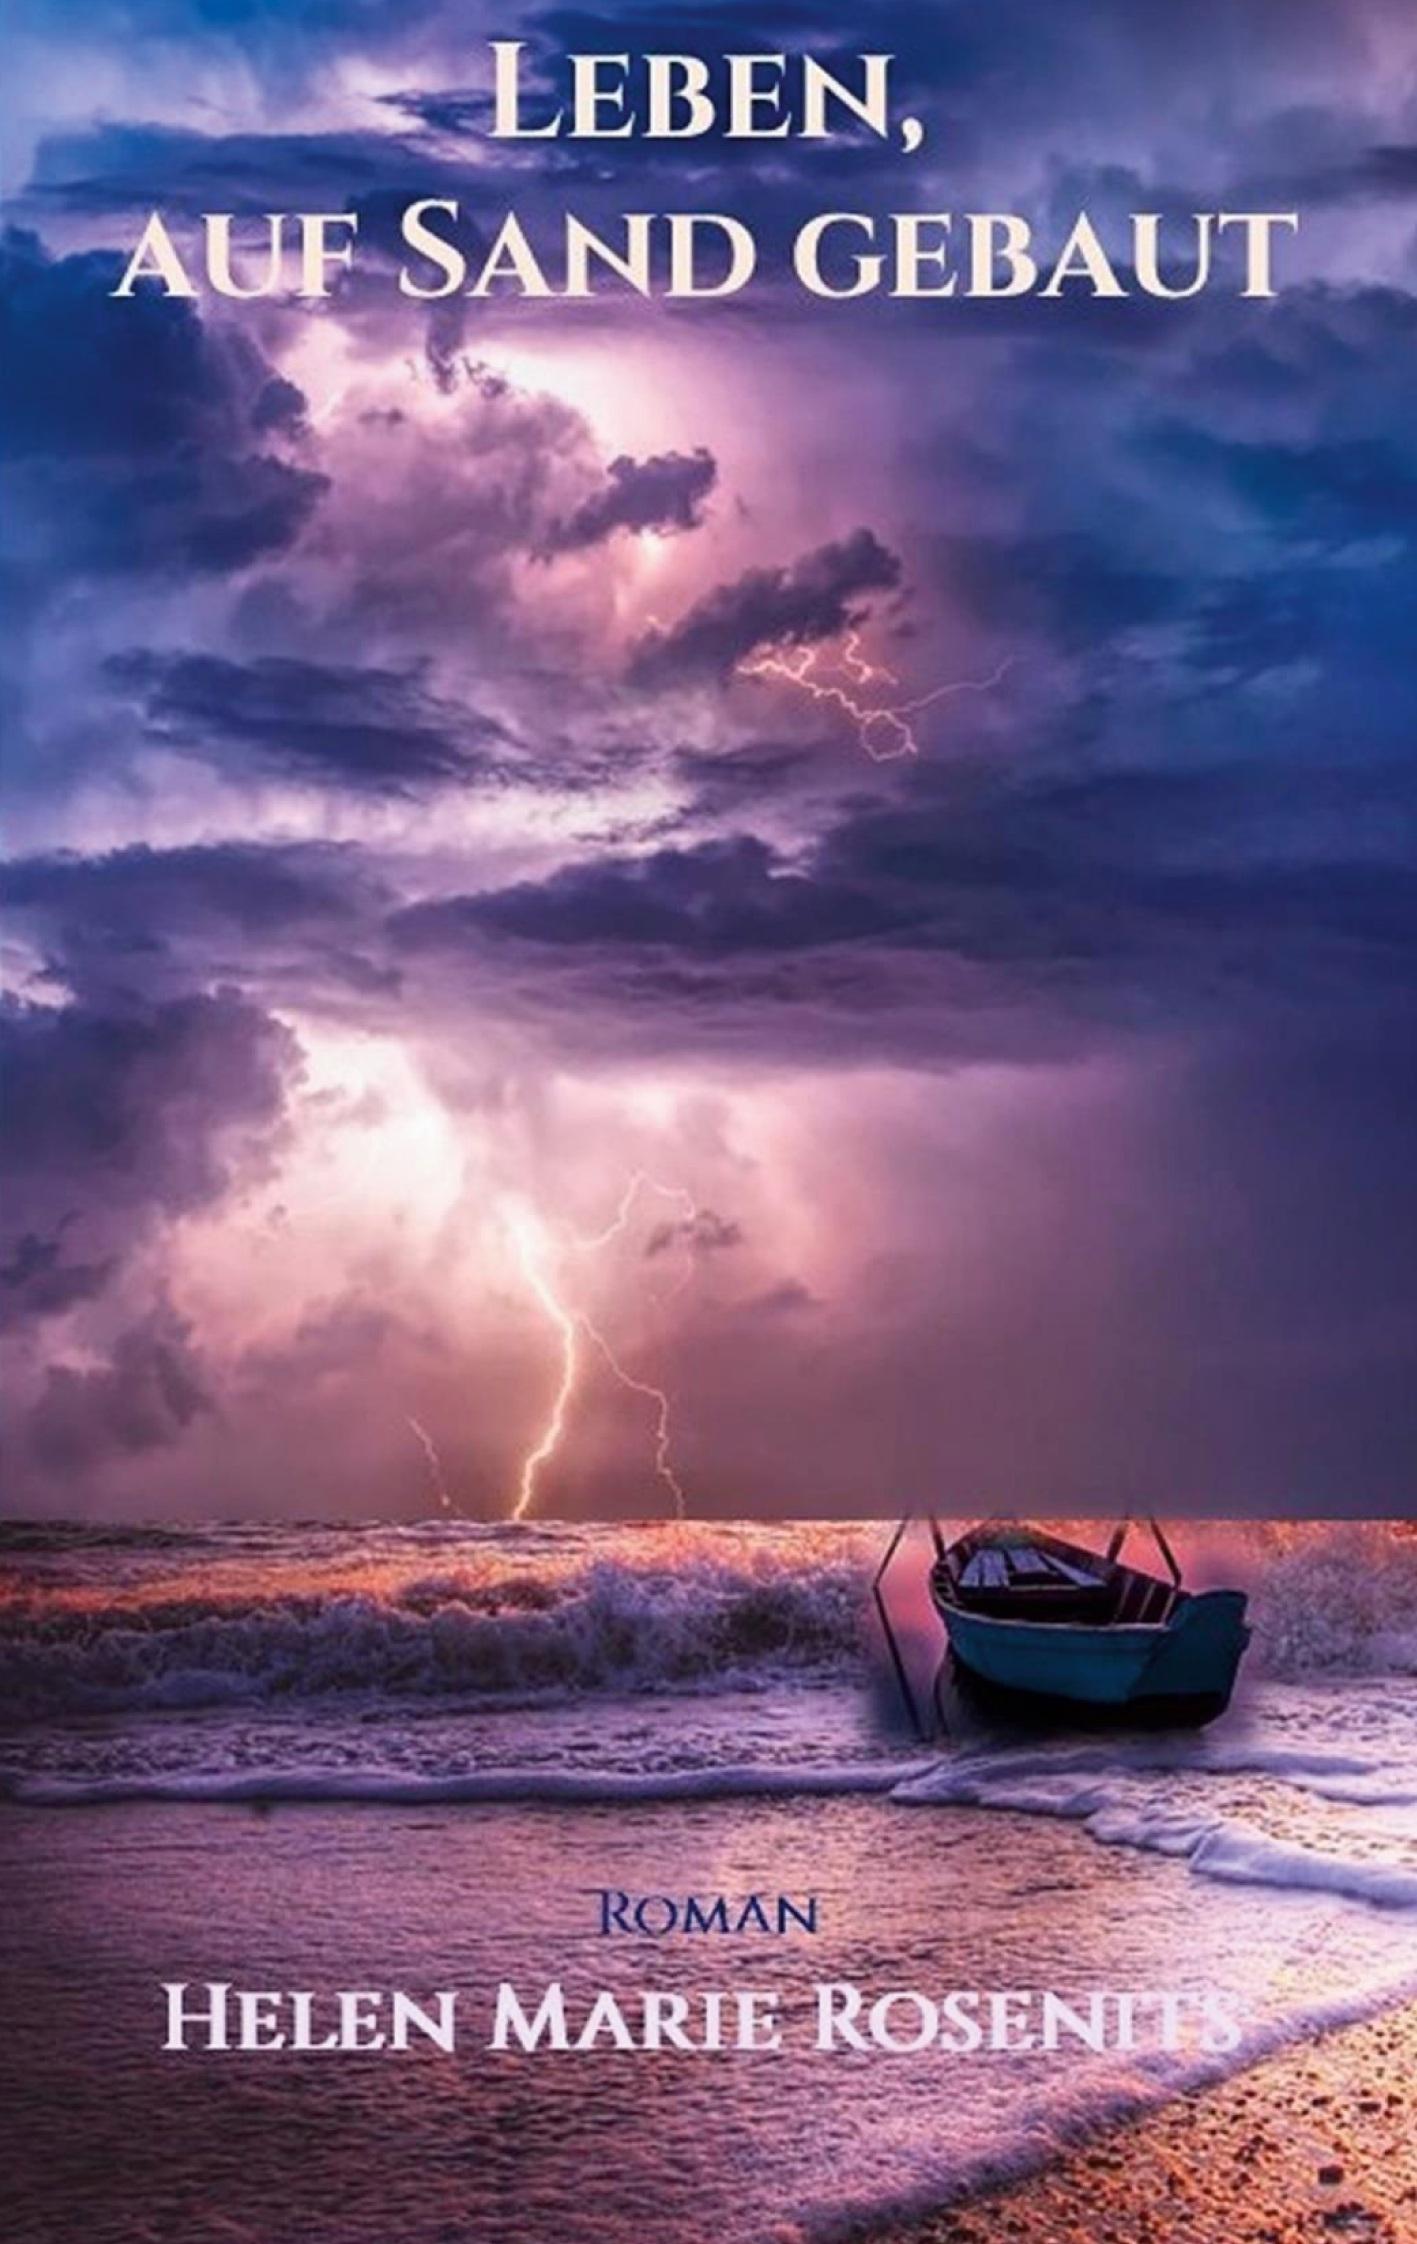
<point x="653" y="1915"/>
<point x="680" y="97"/>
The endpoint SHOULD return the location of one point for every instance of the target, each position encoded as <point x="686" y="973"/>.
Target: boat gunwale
<point x="1054" y="1628"/>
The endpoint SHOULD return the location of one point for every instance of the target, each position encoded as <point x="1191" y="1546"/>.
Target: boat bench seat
<point x="1120" y="1600"/>
<point x="1041" y="1601"/>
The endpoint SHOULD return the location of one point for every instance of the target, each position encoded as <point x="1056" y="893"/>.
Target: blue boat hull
<point x="1183" y="1669"/>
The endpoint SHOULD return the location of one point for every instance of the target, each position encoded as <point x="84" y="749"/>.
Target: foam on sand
<point x="528" y="1786"/>
<point x="1104" y="1789"/>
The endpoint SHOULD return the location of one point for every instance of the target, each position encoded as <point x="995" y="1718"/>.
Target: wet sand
<point x="1317" y="2144"/>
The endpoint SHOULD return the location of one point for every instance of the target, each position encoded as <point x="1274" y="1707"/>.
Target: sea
<point x="414" y="1756"/>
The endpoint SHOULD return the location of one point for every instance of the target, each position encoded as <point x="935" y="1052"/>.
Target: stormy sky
<point x="455" y="901"/>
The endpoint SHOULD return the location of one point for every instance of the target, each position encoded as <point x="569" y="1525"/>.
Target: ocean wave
<point x="705" y="1622"/>
<point x="108" y="1620"/>
<point x="1334" y="1599"/>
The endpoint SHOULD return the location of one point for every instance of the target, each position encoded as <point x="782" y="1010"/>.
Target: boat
<point x="1047" y="1630"/>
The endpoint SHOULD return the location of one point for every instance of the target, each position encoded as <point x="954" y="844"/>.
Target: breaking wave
<point x="610" y="1625"/>
<point x="1339" y="1599"/>
<point x="108" y="1620"/>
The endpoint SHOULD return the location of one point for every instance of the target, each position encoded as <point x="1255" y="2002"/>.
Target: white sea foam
<point x="587" y="1787"/>
<point x="1124" y="1795"/>
<point x="1339" y="1598"/>
<point x="1061" y="2114"/>
<point x="1113" y="1792"/>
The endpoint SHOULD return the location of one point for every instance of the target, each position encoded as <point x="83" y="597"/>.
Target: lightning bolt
<point x="642" y="1182"/>
<point x="639" y="1182"/>
<point x="532" y="1248"/>
<point x="883" y="728"/>
<point x="429" y="1448"/>
<point x="865" y="673"/>
<point x="662" y="1465"/>
<point x="529" y="1241"/>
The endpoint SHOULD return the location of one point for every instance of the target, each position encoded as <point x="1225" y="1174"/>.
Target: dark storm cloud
<point x="813" y="598"/>
<point x="704" y="1231"/>
<point x="39" y="1279"/>
<point x="125" y="168"/>
<point x="376" y="731"/>
<point x="430" y="517"/>
<point x="1387" y="170"/>
<point x="1163" y="884"/>
<point x="1238" y="506"/>
<point x="191" y="513"/>
<point x="263" y="23"/>
<point x="725" y="783"/>
<point x="82" y="378"/>
<point x="133" y="1099"/>
<point x="665" y="492"/>
<point x="1338" y="350"/>
<point x="1353" y="488"/>
<point x="456" y="112"/>
<point x="136" y="439"/>
<point x="113" y="1120"/>
<point x="144" y="1398"/>
<point x="717" y="900"/>
<point x="1345" y="626"/>
<point x="142" y="922"/>
<point x="1038" y="911"/>
<point x="1068" y="588"/>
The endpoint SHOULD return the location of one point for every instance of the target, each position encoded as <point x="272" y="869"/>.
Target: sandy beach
<point x="1320" y="2142"/>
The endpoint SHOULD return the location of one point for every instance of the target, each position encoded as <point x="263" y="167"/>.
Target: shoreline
<point x="1318" y="2141"/>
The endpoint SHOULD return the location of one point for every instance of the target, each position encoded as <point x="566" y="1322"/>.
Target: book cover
<point x="706" y="1133"/>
